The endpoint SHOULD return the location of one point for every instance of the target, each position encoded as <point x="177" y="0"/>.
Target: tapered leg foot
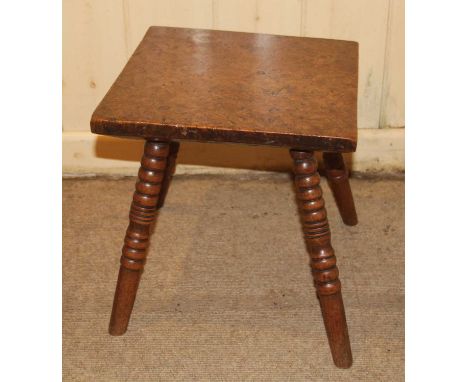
<point x="334" y="318"/>
<point x="337" y="175"/>
<point x="322" y="256"/>
<point x="143" y="212"/>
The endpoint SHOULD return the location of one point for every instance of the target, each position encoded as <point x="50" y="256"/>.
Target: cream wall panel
<point x="142" y="14"/>
<point x="364" y="21"/>
<point x="94" y="53"/>
<point x="393" y="91"/>
<point x="262" y="16"/>
<point x="279" y="17"/>
<point x="235" y="15"/>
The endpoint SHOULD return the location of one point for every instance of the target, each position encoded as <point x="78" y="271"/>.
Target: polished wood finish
<point x="143" y="212"/>
<point x="322" y="256"/>
<point x="236" y="87"/>
<point x="337" y="175"/>
<point x="170" y="170"/>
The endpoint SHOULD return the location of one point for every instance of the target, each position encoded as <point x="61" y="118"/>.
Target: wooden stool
<point x="240" y="88"/>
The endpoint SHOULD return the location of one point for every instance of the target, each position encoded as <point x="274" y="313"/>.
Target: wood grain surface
<point x="236" y="87"/>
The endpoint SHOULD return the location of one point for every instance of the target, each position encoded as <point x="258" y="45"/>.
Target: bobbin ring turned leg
<point x="322" y="256"/>
<point x="143" y="212"/>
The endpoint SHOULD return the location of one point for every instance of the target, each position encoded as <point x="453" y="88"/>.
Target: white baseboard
<point x="379" y="150"/>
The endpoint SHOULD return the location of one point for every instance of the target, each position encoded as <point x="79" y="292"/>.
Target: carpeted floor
<point x="227" y="294"/>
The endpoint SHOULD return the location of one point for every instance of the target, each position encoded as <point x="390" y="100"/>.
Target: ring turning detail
<point x="143" y="213"/>
<point x="322" y="256"/>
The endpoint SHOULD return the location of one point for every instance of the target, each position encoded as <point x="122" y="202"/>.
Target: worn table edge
<point x="146" y="130"/>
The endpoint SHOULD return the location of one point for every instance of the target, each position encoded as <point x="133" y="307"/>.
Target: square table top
<point x="220" y="86"/>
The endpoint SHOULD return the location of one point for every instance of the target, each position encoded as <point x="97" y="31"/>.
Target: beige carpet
<point x="227" y="294"/>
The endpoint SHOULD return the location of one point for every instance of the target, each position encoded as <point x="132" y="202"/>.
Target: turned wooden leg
<point x="337" y="175"/>
<point x="170" y="169"/>
<point x="143" y="213"/>
<point x="322" y="256"/>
